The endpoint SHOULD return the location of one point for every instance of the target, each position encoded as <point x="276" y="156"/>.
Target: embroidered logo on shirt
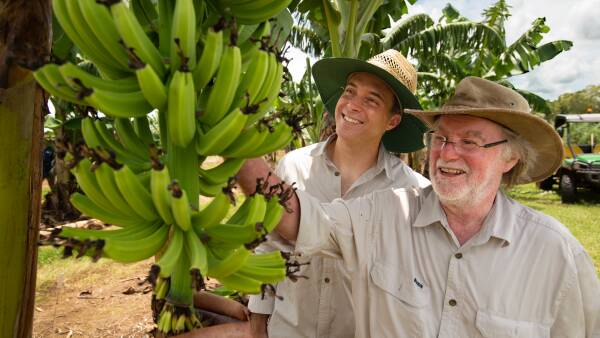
<point x="419" y="284"/>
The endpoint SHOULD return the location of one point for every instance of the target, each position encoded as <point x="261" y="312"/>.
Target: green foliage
<point x="456" y="47"/>
<point x="580" y="102"/>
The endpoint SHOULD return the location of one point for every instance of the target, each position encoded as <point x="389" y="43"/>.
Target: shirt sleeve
<point x="338" y="229"/>
<point x="579" y="312"/>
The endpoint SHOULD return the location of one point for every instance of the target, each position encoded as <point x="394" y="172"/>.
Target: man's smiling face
<point x="363" y="112"/>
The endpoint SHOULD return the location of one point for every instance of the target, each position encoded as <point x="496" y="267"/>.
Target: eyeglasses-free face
<point x="436" y="141"/>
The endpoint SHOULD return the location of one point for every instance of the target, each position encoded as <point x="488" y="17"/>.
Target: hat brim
<point x="539" y="133"/>
<point x="330" y="76"/>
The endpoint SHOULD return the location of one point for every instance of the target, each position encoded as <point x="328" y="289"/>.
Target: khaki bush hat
<point x="331" y="74"/>
<point x="482" y="98"/>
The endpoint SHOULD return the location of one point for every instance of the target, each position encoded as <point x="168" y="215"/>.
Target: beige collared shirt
<point x="523" y="275"/>
<point x="320" y="305"/>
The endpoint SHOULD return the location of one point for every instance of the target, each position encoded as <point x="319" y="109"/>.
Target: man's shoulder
<point x="540" y="227"/>
<point x="302" y="153"/>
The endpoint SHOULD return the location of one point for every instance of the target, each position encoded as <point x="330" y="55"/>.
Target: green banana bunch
<point x="145" y="52"/>
<point x="182" y="109"/>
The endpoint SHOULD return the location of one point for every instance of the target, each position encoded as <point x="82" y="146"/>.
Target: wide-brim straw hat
<point x="482" y="98"/>
<point x="331" y="74"/>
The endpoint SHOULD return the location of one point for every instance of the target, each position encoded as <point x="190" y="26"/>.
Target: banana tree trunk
<point x="25" y="41"/>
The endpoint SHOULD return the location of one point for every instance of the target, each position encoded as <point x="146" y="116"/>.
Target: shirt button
<point x="458" y="255"/>
<point x="337" y="173"/>
<point x="452" y="302"/>
<point x="326" y="279"/>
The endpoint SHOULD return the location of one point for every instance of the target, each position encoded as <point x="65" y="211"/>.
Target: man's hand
<point x="258" y="325"/>
<point x="257" y="168"/>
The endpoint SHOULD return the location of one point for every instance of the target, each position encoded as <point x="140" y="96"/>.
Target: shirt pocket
<point x="399" y="307"/>
<point x="492" y="325"/>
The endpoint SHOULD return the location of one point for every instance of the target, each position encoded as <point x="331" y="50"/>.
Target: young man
<point x="460" y="258"/>
<point x="368" y="99"/>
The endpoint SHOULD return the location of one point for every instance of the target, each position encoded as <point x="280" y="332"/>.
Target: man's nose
<point x="448" y="151"/>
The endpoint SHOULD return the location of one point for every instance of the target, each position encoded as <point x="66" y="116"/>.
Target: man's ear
<point x="393" y="121"/>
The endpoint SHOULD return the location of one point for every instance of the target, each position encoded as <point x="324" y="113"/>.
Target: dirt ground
<point x="107" y="300"/>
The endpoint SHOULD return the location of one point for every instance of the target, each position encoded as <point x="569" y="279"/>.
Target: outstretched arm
<point x="258" y="168"/>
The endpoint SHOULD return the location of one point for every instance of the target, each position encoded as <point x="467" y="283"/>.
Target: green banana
<point x="152" y="86"/>
<point x="165" y="22"/>
<point x="273" y="214"/>
<point x="251" y="211"/>
<point x="134" y="37"/>
<point x="209" y="60"/>
<point x="136" y="194"/>
<point x="208" y="189"/>
<point x="88" y="183"/>
<point x="248" y="141"/>
<point x="127" y="251"/>
<point x="257" y="11"/>
<point x="181" y="112"/>
<point x="102" y="26"/>
<point x="263" y="274"/>
<point x="117" y="104"/>
<point x="130" y="139"/>
<point x="183" y="35"/>
<point x="279" y="138"/>
<point x="198" y="257"/>
<point x="171" y="257"/>
<point x="234" y="234"/>
<point x="90" y="135"/>
<point x="159" y="183"/>
<point x="222" y="172"/>
<point x="213" y="213"/>
<point x="219" y="137"/>
<point x="271" y="259"/>
<point x="180" y="207"/>
<point x="242" y="283"/>
<point x="106" y="180"/>
<point x="72" y="74"/>
<point x="51" y="80"/>
<point x="252" y="80"/>
<point x="223" y="91"/>
<point x="127" y="156"/>
<point x="89" y="208"/>
<point x="92" y="234"/>
<point x="222" y="267"/>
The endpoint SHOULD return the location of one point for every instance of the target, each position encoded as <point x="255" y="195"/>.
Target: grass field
<point x="582" y="218"/>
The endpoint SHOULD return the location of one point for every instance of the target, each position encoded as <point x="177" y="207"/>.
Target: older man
<point x="460" y="259"/>
<point x="368" y="98"/>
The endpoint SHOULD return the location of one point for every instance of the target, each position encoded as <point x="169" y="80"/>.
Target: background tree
<point x="585" y="101"/>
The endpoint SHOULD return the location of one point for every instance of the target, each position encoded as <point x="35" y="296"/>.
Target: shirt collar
<point x="499" y="223"/>
<point x="385" y="160"/>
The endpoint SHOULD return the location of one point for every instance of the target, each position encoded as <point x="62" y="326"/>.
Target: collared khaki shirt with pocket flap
<point x="523" y="275"/>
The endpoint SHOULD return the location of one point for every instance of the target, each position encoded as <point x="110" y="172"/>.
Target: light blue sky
<point x="578" y="21"/>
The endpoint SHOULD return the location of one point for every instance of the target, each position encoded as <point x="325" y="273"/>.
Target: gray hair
<point x="517" y="147"/>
